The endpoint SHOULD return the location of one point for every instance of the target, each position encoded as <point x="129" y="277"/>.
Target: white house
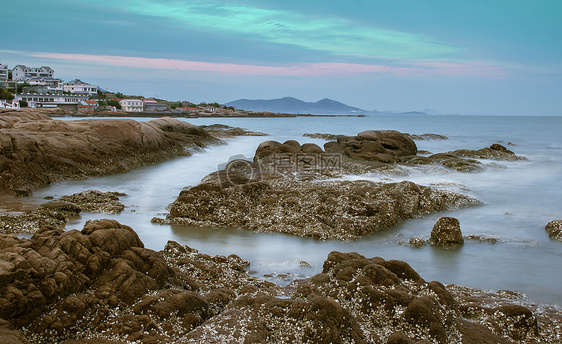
<point x="50" y="100"/>
<point x="4" y="72"/>
<point x="78" y="86"/>
<point x="22" y="72"/>
<point x="132" y="105"/>
<point x="54" y="85"/>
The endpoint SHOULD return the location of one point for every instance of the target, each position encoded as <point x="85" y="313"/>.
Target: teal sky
<point x="481" y="57"/>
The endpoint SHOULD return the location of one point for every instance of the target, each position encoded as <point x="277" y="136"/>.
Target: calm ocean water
<point x="520" y="198"/>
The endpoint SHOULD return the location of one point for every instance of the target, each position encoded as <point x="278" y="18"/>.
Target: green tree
<point x="115" y="103"/>
<point x="6" y="95"/>
<point x="23" y="103"/>
<point x="102" y="103"/>
<point x="19" y="87"/>
<point x="119" y="95"/>
<point x="175" y="105"/>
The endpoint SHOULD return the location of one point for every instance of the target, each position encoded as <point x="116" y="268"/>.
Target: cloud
<point x="474" y="69"/>
<point x="281" y="27"/>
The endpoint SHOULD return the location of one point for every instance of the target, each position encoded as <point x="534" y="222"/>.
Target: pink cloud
<point x="474" y="69"/>
<point x="305" y="69"/>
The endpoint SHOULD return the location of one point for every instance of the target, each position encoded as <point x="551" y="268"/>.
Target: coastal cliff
<point x="37" y="150"/>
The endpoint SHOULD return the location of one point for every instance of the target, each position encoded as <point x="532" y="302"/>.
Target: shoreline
<point x="179" y="115"/>
<point x="469" y="308"/>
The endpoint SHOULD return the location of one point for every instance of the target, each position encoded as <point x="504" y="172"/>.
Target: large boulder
<point x="53" y="264"/>
<point x="374" y="145"/>
<point x="446" y="233"/>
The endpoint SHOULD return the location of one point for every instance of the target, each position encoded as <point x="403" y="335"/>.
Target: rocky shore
<point x="56" y="213"/>
<point x="37" y="150"/>
<point x="100" y="285"/>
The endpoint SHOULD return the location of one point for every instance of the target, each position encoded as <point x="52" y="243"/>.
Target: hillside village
<point x="37" y="87"/>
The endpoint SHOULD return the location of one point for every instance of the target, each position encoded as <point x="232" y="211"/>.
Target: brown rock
<point x="495" y="152"/>
<point x="340" y="210"/>
<point x="446" y="233"/>
<point x="9" y="335"/>
<point x="554" y="230"/>
<point x="37" y="150"/>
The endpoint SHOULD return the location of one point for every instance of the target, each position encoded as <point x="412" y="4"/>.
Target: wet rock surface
<point x="100" y="285"/>
<point x="57" y="212"/>
<point x="94" y="201"/>
<point x="428" y="136"/>
<point x="37" y="150"/>
<point x="374" y="145"/>
<point x="495" y="152"/>
<point x="554" y="230"/>
<point x="226" y="131"/>
<point x="377" y="149"/>
<point x="329" y="137"/>
<point x="446" y="233"/>
<point x="325" y="210"/>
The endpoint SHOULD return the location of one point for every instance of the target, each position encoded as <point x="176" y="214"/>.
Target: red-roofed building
<point x="92" y="103"/>
<point x="188" y="109"/>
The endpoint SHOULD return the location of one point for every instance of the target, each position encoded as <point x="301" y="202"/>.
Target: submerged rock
<point x="57" y="212"/>
<point x="417" y="242"/>
<point x="94" y="201"/>
<point x="554" y="230"/>
<point x="329" y="137"/>
<point x="225" y="131"/>
<point x="428" y="137"/>
<point x="495" y="152"/>
<point x="446" y="233"/>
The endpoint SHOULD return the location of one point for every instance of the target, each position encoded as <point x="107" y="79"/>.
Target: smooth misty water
<point x="520" y="198"/>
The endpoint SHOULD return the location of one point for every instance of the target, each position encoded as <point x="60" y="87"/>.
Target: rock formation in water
<point x="554" y="230"/>
<point x="57" y="212"/>
<point x="100" y="285"/>
<point x="325" y="210"/>
<point x="225" y="131"/>
<point x="374" y="145"/>
<point x="37" y="150"/>
<point x="446" y="233"/>
<point x="379" y="148"/>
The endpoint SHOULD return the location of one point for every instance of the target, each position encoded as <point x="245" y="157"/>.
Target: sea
<point x="519" y="199"/>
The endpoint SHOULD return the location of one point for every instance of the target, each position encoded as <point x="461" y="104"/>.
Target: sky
<point x="498" y="57"/>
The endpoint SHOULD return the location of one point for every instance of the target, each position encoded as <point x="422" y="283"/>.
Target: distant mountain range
<point x="293" y="105"/>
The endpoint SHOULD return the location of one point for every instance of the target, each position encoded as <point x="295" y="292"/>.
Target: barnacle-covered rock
<point x="325" y="210"/>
